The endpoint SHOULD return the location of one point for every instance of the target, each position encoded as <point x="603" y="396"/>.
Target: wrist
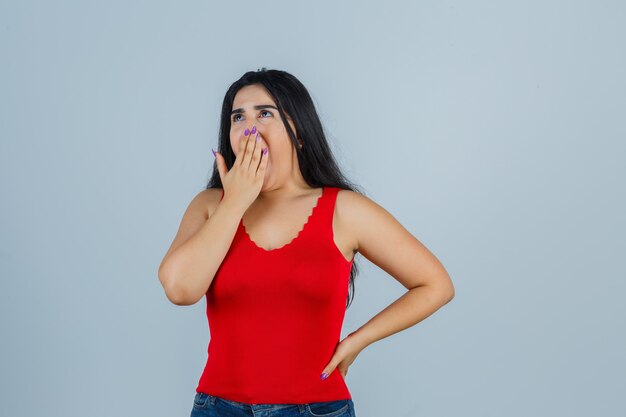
<point x="359" y="338"/>
<point x="233" y="207"/>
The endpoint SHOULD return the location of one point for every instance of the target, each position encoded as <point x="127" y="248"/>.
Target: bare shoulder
<point x="196" y="214"/>
<point x="380" y="237"/>
<point x="205" y="201"/>
<point x="211" y="198"/>
<point x="364" y="220"/>
<point x="351" y="210"/>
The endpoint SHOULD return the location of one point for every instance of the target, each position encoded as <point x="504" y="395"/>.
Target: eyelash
<point x="239" y="114"/>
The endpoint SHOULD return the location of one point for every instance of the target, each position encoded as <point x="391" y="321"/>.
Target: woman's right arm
<point x="203" y="239"/>
<point x="200" y="245"/>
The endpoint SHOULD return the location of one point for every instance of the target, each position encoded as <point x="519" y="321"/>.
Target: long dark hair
<point x="317" y="163"/>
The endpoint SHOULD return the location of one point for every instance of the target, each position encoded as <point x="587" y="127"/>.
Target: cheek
<point x="234" y="145"/>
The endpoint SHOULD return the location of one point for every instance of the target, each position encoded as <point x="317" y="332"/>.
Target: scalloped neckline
<point x="302" y="228"/>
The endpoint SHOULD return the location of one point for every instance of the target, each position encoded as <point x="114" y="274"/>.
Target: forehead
<point x="251" y="94"/>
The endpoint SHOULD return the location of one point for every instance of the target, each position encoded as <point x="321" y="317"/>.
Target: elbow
<point x="175" y="292"/>
<point x="448" y="293"/>
<point x="445" y="288"/>
<point x="443" y="292"/>
<point x="178" y="297"/>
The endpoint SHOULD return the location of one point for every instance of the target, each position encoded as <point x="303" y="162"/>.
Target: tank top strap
<point x="323" y="218"/>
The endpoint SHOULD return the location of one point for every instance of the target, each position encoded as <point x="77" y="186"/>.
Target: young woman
<point x="271" y="244"/>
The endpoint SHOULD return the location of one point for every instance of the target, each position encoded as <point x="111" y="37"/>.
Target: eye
<point x="239" y="114"/>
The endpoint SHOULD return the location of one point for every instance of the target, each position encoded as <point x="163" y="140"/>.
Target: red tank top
<point x="275" y="316"/>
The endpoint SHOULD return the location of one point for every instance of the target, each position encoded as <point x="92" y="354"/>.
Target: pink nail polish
<point x="253" y="130"/>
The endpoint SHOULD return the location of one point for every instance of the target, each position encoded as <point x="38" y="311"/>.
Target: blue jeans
<point x="207" y="405"/>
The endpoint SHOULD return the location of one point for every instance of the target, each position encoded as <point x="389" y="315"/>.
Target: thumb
<point x="221" y="164"/>
<point x="328" y="370"/>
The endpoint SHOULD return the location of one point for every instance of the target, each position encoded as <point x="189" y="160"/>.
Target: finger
<point x="221" y="166"/>
<point x="252" y="141"/>
<point x="264" y="157"/>
<point x="256" y="152"/>
<point x="243" y="142"/>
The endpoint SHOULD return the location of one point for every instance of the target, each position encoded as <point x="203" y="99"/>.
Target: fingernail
<point x="253" y="130"/>
<point x="324" y="376"/>
<point x="264" y="151"/>
<point x="246" y="132"/>
<point x="214" y="154"/>
<point x="258" y="136"/>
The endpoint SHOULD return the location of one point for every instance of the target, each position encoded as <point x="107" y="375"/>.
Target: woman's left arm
<point x="386" y="243"/>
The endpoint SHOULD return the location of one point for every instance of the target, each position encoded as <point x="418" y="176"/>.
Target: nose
<point x="251" y="130"/>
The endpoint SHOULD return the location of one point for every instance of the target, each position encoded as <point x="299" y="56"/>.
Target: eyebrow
<point x="259" y="107"/>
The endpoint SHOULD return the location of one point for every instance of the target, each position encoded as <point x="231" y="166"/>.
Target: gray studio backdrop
<point x="493" y="131"/>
